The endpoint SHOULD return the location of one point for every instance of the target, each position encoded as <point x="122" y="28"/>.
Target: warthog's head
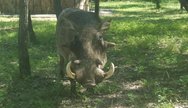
<point x="90" y="52"/>
<point x="83" y="35"/>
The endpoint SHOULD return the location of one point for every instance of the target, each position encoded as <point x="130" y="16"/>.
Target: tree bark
<point x="157" y="4"/>
<point x="80" y="4"/>
<point x="97" y="8"/>
<point x="24" y="64"/>
<point x="84" y="5"/>
<point x="57" y="7"/>
<point x="32" y="35"/>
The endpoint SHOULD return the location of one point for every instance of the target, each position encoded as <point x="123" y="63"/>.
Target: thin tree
<point x="57" y="7"/>
<point x="97" y="8"/>
<point x="157" y="2"/>
<point x="24" y="64"/>
<point x="80" y="4"/>
<point x="32" y="35"/>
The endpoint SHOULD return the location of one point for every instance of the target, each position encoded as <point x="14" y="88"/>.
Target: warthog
<point x="82" y="48"/>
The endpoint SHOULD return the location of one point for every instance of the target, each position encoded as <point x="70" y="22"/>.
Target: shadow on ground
<point x="42" y="92"/>
<point x="34" y="92"/>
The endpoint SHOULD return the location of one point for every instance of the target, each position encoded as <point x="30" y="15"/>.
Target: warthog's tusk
<point x="110" y="72"/>
<point x="70" y="74"/>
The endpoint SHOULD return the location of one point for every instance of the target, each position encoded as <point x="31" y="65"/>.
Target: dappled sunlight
<point x="174" y="17"/>
<point x="151" y="58"/>
<point x="173" y="44"/>
<point x="8" y="18"/>
<point x="136" y="85"/>
<point x="37" y="17"/>
<point x="152" y="46"/>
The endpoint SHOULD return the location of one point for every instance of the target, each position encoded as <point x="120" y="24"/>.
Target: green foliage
<point x="162" y="1"/>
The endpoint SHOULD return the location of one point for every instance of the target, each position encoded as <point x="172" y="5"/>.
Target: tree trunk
<point x="24" y="64"/>
<point x="84" y="5"/>
<point x="80" y="4"/>
<point x="157" y="4"/>
<point x="32" y="35"/>
<point x="97" y="8"/>
<point x="57" y="7"/>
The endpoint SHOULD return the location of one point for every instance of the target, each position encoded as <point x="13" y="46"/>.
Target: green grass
<point x="151" y="58"/>
<point x="153" y="48"/>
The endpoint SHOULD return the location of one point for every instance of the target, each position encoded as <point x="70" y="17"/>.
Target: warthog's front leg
<point x="62" y="66"/>
<point x="73" y="88"/>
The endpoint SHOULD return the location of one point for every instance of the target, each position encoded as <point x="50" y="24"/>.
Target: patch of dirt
<point x="181" y="105"/>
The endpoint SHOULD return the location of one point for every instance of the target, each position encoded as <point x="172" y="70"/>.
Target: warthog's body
<point x="183" y="4"/>
<point x="81" y="47"/>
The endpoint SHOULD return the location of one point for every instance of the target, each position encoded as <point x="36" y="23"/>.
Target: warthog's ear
<point x="105" y="25"/>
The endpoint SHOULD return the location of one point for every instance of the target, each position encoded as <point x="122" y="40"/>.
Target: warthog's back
<point x="80" y="18"/>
